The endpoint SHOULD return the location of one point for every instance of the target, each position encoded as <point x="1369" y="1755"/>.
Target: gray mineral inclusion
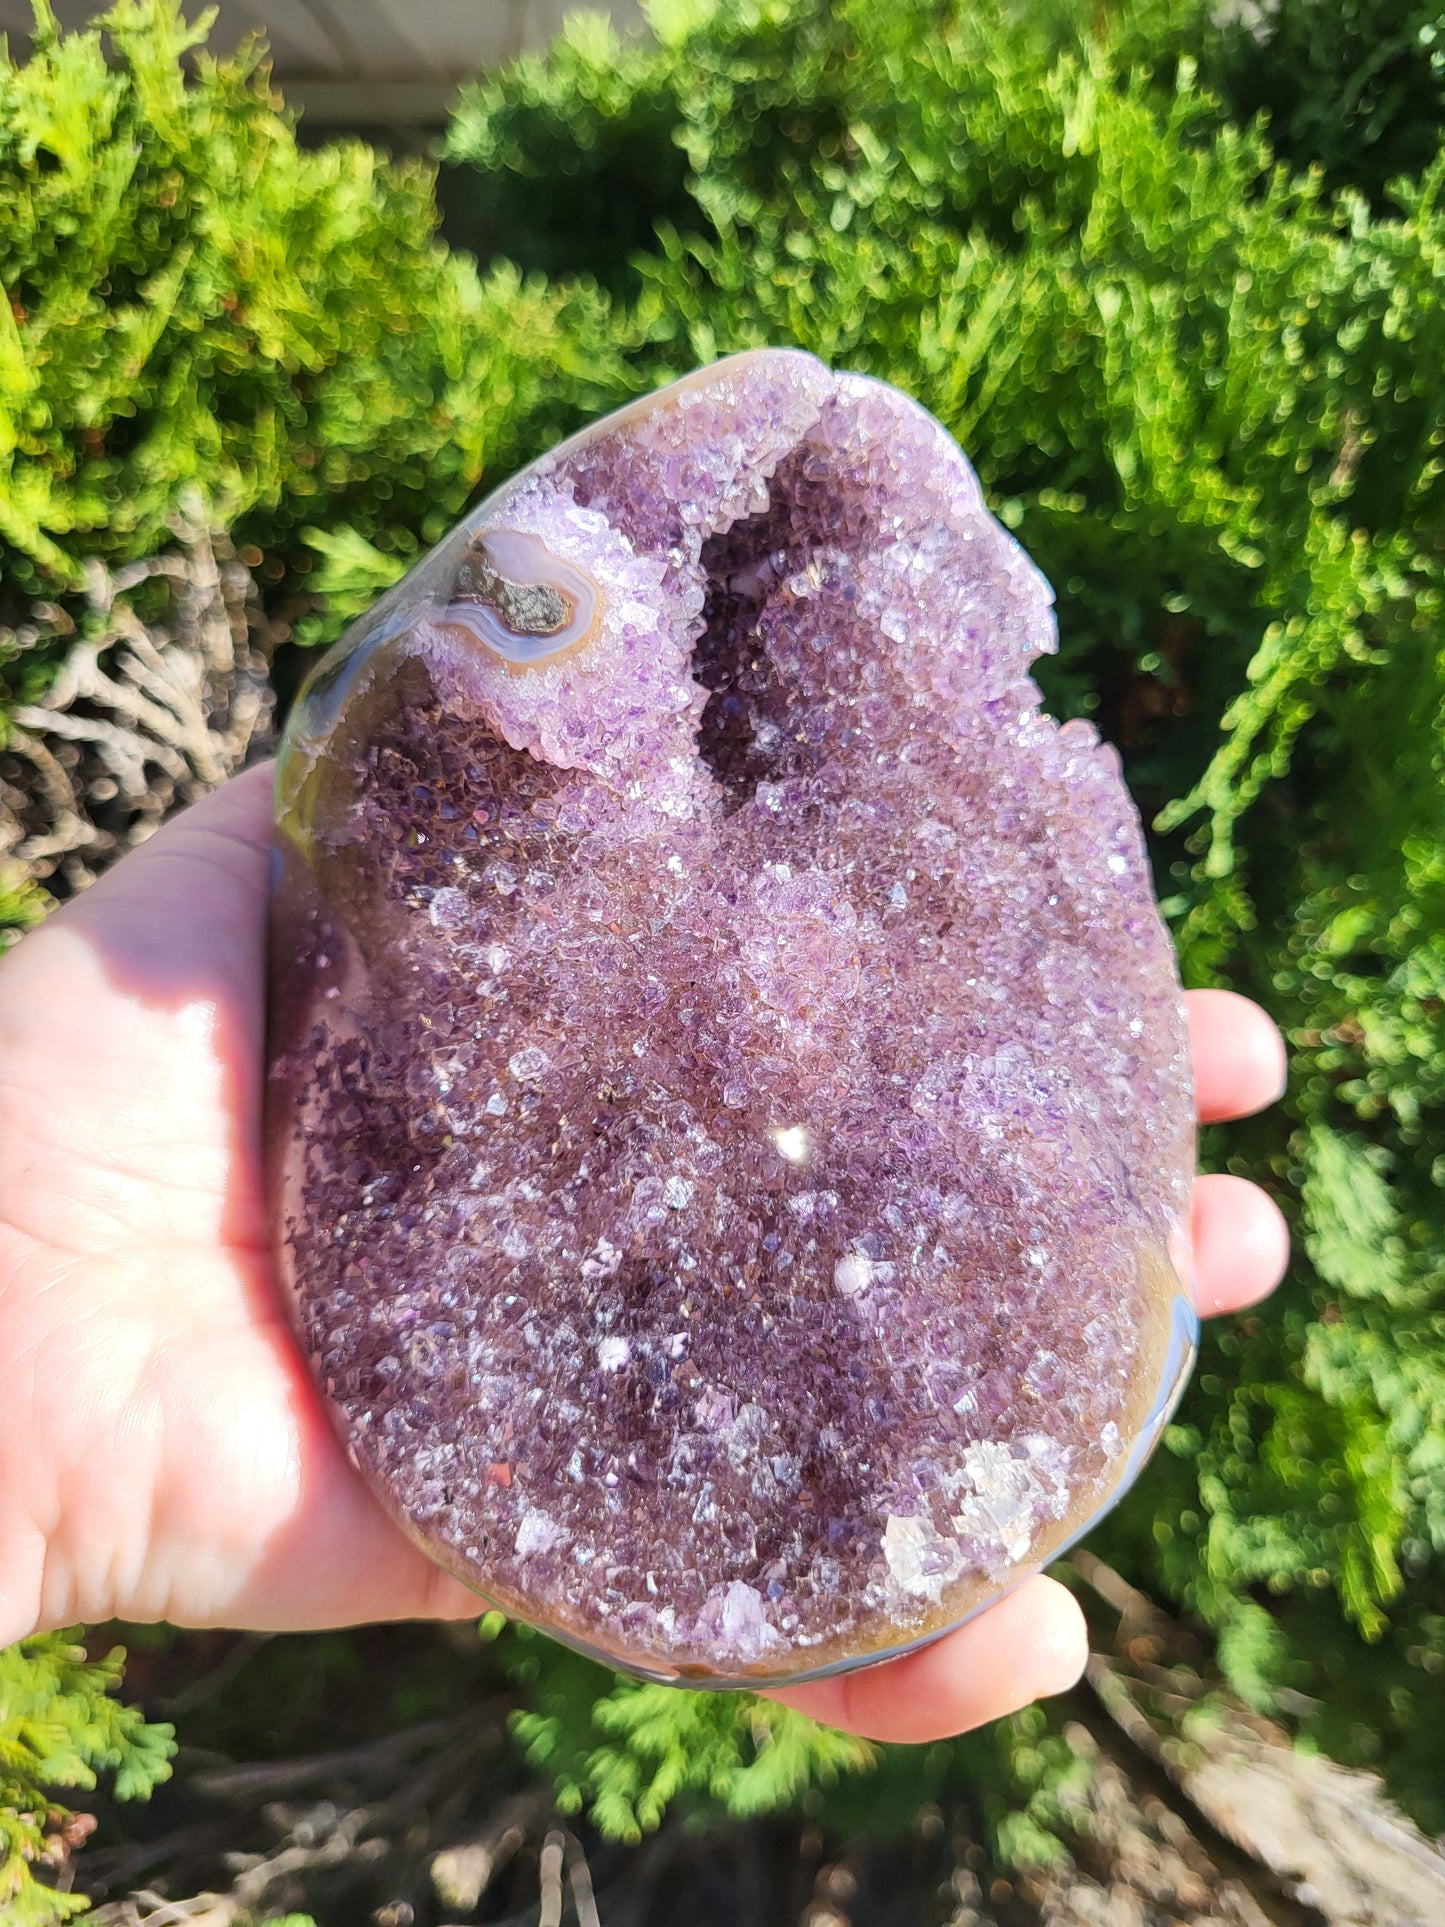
<point x="729" y="1117"/>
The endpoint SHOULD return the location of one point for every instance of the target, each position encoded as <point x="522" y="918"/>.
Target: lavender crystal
<point x="729" y="1114"/>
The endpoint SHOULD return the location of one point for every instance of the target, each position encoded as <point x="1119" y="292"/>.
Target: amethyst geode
<point x="730" y="1119"/>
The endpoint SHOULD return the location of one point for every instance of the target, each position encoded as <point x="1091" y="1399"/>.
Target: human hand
<point x="163" y="1454"/>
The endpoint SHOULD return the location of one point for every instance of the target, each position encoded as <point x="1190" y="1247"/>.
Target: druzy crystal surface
<point x="729" y="1115"/>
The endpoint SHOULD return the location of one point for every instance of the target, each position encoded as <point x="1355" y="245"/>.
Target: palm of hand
<point x="162" y="1452"/>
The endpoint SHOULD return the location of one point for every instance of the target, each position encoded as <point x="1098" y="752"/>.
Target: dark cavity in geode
<point x="729" y="1110"/>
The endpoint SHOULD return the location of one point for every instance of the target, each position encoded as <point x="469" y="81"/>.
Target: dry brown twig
<point x="462" y="1873"/>
<point x="143" y="717"/>
<point x="384" y="1809"/>
<point x="1200" y="1806"/>
<point x="550" y="1880"/>
<point x="579" y="1875"/>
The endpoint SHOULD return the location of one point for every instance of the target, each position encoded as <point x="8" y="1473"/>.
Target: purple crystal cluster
<point x="729" y="1110"/>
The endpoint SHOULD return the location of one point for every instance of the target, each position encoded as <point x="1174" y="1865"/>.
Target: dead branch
<point x="550" y="1880"/>
<point x="462" y="1873"/>
<point x="1187" y="1776"/>
<point x="162" y="694"/>
<point x="579" y="1876"/>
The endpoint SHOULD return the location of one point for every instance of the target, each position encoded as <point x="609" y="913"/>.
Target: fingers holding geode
<point x="1241" y="1244"/>
<point x="1031" y="1644"/>
<point x="1240" y="1061"/>
<point x="1240" y="1239"/>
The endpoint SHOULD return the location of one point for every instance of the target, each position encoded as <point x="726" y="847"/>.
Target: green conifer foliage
<point x="193" y="300"/>
<point x="1357" y="88"/>
<point x="60" y="1727"/>
<point x="623" y="1751"/>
